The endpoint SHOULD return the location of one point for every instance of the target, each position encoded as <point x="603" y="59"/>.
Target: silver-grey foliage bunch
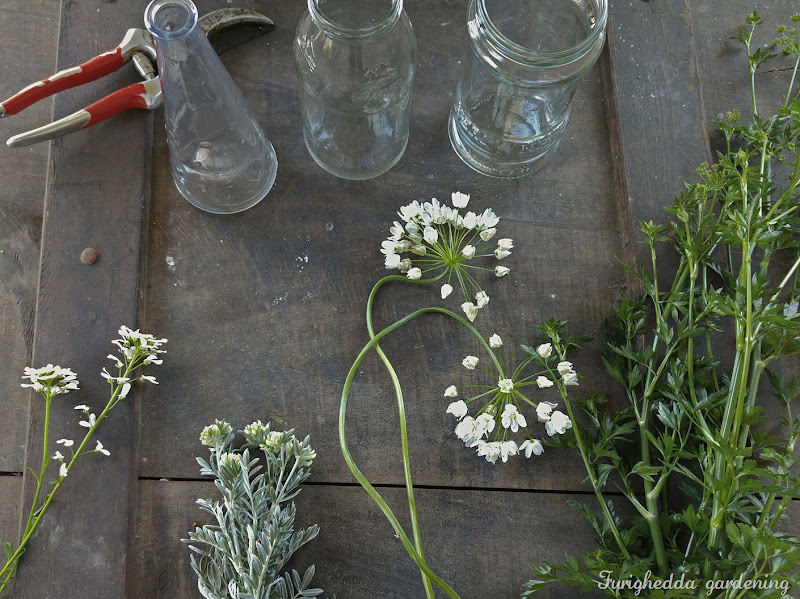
<point x="241" y="555"/>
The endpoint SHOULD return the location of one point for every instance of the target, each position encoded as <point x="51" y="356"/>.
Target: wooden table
<point x="264" y="310"/>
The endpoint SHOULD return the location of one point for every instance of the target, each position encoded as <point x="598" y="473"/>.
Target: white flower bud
<point x="544" y="382"/>
<point x="471" y="310"/>
<point x="564" y="367"/>
<point x="487" y="234"/>
<point x="468" y="251"/>
<point x="457" y="409"/>
<point x="446" y="290"/>
<point x="495" y="341"/>
<point x="505" y="386"/>
<point x="470" y="362"/>
<point x="431" y="235"/>
<point x="460" y="200"/>
<point x="501" y="271"/>
<point x="505" y="244"/>
<point x="414" y="274"/>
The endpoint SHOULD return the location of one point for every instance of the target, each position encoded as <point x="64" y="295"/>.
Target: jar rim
<point x="151" y="21"/>
<point x="518" y="53"/>
<point x="338" y="30"/>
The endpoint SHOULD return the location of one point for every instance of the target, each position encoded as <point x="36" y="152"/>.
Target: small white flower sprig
<point x="441" y="243"/>
<point x="501" y="413"/>
<point x="135" y="350"/>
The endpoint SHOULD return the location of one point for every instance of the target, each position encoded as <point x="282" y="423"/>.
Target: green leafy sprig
<point x="242" y="555"/>
<point x="707" y="490"/>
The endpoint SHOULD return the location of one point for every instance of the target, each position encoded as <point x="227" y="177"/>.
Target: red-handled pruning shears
<point x="136" y="46"/>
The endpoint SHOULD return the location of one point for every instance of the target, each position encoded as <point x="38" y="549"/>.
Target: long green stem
<point x="592" y="476"/>
<point x="45" y="460"/>
<point x="10" y="566"/>
<point x="349" y="458"/>
<point x="412" y="505"/>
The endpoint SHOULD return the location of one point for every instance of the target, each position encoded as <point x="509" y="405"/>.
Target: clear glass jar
<point x="514" y="97"/>
<point x="355" y="63"/>
<point x="221" y="160"/>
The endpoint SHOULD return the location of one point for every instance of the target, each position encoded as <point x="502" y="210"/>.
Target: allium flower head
<point x="439" y="242"/>
<point x="50" y="379"/>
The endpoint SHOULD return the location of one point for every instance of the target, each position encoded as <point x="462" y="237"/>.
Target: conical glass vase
<point x="221" y="160"/>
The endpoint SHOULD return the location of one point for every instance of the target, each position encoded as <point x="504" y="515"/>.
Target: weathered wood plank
<point x="722" y="62"/>
<point x="658" y="121"/>
<point x="481" y="543"/>
<point x="264" y="309"/>
<point x="98" y="188"/>
<point x="10" y="490"/>
<point x="23" y="25"/>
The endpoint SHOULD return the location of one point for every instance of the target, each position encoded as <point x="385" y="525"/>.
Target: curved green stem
<point x="371" y="491"/>
<point x="412" y="505"/>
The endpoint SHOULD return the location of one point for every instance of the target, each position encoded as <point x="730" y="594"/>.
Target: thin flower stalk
<point x="135" y="350"/>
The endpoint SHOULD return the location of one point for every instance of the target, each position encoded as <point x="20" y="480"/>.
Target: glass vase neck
<point x="171" y="19"/>
<point x="355" y="20"/>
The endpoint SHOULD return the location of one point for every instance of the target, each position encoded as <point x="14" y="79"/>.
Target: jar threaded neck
<point x="337" y="25"/>
<point x="481" y="27"/>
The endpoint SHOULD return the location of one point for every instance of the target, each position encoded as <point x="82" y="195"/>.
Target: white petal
<point x="460" y="200"/>
<point x="446" y="290"/>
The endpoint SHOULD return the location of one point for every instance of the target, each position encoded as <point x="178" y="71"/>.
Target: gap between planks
<point x="399" y="486"/>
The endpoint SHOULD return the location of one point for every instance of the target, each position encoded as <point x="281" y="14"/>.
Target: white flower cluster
<point x="135" y="344"/>
<point x="441" y="242"/>
<point x="501" y="413"/>
<point x="51" y="379"/>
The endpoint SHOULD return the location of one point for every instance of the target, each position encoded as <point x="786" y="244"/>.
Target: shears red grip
<point x="137" y="45"/>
